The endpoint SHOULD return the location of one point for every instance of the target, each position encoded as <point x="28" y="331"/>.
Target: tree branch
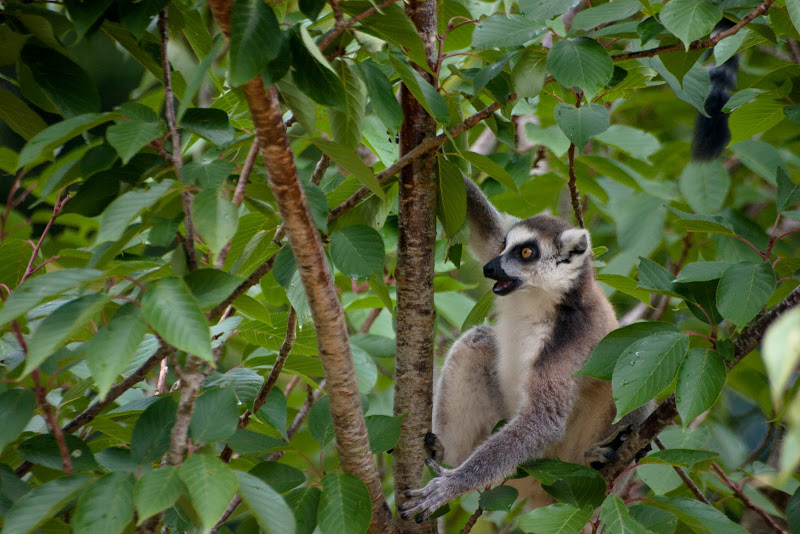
<point x="664" y="414"/>
<point x="700" y="43"/>
<point x="686" y="480"/>
<point x="737" y="490"/>
<point x="574" y="194"/>
<point x="272" y="378"/>
<point x="238" y="197"/>
<point x="342" y="25"/>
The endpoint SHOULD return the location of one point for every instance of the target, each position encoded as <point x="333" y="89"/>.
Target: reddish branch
<point x="328" y="316"/>
<point x="342" y="25"/>
<point x="737" y="490"/>
<point x="574" y="194"/>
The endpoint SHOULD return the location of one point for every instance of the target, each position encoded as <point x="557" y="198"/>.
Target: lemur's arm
<point x="532" y="430"/>
<point x="487" y="226"/>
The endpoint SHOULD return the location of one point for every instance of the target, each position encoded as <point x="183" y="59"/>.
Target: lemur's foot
<point x="605" y="452"/>
<point x="434" y="446"/>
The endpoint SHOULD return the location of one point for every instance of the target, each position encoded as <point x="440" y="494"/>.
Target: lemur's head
<point x="543" y="253"/>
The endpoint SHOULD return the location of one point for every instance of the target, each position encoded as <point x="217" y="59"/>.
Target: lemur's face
<point x="539" y="253"/>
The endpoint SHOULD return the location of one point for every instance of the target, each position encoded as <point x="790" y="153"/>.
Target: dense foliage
<point x="159" y="362"/>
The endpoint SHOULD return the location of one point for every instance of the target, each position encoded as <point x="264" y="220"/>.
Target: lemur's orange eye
<point x="526" y="253"/>
<point x="502" y="247"/>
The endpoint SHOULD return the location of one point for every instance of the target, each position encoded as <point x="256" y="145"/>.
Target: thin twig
<point x="59" y="205"/>
<point x="319" y="171"/>
<point x="238" y="197"/>
<point x="52" y="423"/>
<point x="772" y="430"/>
<point x="686" y="480"/>
<point x="367" y="324"/>
<point x="574" y="194"/>
<point x="471" y="521"/>
<point x="272" y="378"/>
<point x="340" y="27"/>
<point x="737" y="490"/>
<point x="161" y="385"/>
<point x="700" y="43"/>
<point x="177" y="159"/>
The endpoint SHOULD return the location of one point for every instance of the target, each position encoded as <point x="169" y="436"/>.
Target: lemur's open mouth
<point x="504" y="287"/>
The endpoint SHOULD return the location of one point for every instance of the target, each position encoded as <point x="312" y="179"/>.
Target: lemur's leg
<point x="467" y="402"/>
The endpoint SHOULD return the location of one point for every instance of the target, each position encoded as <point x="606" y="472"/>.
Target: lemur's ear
<point x="574" y="242"/>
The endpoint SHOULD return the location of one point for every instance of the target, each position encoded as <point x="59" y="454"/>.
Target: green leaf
<point x="680" y="62"/>
<point x="383" y="431"/>
<point x="422" y="90"/>
<point x="626" y="285"/>
<point x="793" y="507"/>
<point x="692" y="89"/>
<point x="347" y="159"/>
<point x="788" y="192"/>
<point x="500" y="499"/>
<point x="781" y="352"/>
<point x="574" y="484"/>
<point x="19" y="117"/>
<point x="357" y="251"/>
<point x="705" y="185"/>
<point x="556" y="519"/>
<point x="211" y="484"/>
<point x="64" y="81"/>
<point x="107" y="505"/>
<point x="215" y="218"/>
<point x="268" y="507"/>
<point x="319" y="206"/>
<point x="304" y="503"/>
<point x="382" y="96"/>
<point x="655" y="278"/>
<point x="637" y="143"/>
<point x="42" y="503"/>
<point x="43" y="143"/>
<point x="128" y="138"/>
<point x="215" y="416"/>
<point x="345" y="506"/>
<point x="616" y="518"/>
<point x="698" y="516"/>
<point x="43" y="450"/>
<point x="38" y="288"/>
<point x="346" y="125"/>
<point x="280" y="477"/>
<point x="685" y="458"/>
<point x="171" y="310"/>
<point x="581" y="62"/>
<point x="581" y="124"/>
<point x="273" y="412"/>
<point x="207" y="176"/>
<point x="247" y="442"/>
<point x="714" y="224"/>
<point x="451" y="200"/>
<point x="85" y="14"/>
<point x="209" y="123"/>
<point x="700" y="381"/>
<point x="127" y="207"/>
<point x="605" y="13"/>
<point x="366" y="370"/>
<point x="744" y="290"/>
<point x="551" y="137"/>
<point x="500" y="31"/>
<point x="530" y="72"/>
<point x="137" y="15"/>
<point x="702" y="271"/>
<point x="16" y="409"/>
<point x="689" y="20"/>
<point x="151" y="433"/>
<point x="485" y="164"/>
<point x="157" y="490"/>
<point x="110" y="350"/>
<point x="479" y="312"/>
<point x="646" y="368"/>
<point x="314" y="77"/>
<point x="211" y="286"/>
<point x="255" y="38"/>
<point x="58" y="327"/>
<point x="755" y="117"/>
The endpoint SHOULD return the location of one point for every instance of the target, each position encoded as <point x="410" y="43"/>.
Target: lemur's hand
<point x="439" y="491"/>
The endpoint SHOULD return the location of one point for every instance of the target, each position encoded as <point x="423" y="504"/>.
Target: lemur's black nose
<point x="490" y="269"/>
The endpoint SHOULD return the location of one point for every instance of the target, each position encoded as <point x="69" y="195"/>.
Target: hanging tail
<point x="711" y="134"/>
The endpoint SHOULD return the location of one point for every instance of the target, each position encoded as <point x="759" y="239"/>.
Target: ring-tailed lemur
<point x="550" y="315"/>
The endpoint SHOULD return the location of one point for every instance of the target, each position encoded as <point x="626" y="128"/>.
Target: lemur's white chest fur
<point x="525" y="322"/>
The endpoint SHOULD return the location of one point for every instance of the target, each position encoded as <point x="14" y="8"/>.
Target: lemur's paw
<point x="434" y="446"/>
<point x="605" y="452"/>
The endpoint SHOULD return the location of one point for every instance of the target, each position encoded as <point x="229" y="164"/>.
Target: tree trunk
<point x="416" y="314"/>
